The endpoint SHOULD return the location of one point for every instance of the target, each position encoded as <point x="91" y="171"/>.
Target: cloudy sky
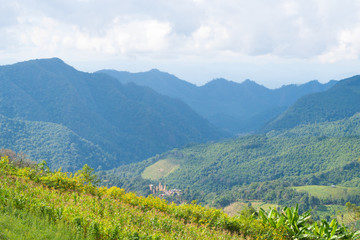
<point x="272" y="42"/>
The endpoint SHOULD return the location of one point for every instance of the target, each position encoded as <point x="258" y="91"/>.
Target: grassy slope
<point x="336" y="192"/>
<point x="236" y="207"/>
<point x="101" y="213"/>
<point x="23" y="226"/>
<point x="160" y="169"/>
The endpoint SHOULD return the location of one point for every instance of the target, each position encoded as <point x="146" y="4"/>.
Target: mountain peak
<point x="218" y="81"/>
<point x="154" y="70"/>
<point x="41" y="61"/>
<point x="49" y="64"/>
<point x="249" y="82"/>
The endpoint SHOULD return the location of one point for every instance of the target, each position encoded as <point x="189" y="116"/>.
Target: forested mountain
<point x="257" y="166"/>
<point x="237" y="107"/>
<point x="60" y="146"/>
<point x="128" y="122"/>
<point x="340" y="101"/>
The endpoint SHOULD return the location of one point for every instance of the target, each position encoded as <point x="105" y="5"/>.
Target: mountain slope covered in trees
<point x="237" y="107"/>
<point x="128" y="122"/>
<point x="60" y="146"/>
<point x="255" y="167"/>
<point x="338" y="102"/>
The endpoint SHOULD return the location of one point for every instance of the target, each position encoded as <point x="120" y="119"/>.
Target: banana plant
<point x="331" y="231"/>
<point x="289" y="218"/>
<point x="295" y="224"/>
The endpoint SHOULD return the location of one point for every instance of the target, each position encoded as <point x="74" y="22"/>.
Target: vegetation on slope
<point x="73" y="202"/>
<point x="129" y="123"/>
<point x="110" y="213"/>
<point x="237" y="107"/>
<point x="340" y="101"/>
<point x="56" y="144"/>
<point x="21" y="225"/>
<point x="258" y="167"/>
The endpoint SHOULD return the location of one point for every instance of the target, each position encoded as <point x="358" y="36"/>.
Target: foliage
<point x="110" y="213"/>
<point x="51" y="111"/>
<point x="300" y="226"/>
<point x="237" y="107"/>
<point x="258" y="167"/>
<point x="72" y="202"/>
<point x="20" y="225"/>
<point x="339" y="102"/>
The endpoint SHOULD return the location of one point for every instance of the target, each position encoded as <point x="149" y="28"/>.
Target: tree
<point x="87" y="176"/>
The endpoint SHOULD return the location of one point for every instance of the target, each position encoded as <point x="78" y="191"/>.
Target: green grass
<point x="23" y="226"/>
<point x="336" y="192"/>
<point x="236" y="207"/>
<point x="160" y="169"/>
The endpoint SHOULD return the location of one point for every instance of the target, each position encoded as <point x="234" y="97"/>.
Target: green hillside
<point x="257" y="167"/>
<point x="336" y="192"/>
<point x="340" y="101"/>
<point x="128" y="122"/>
<point x="160" y="169"/>
<point x="36" y="203"/>
<point x="56" y="144"/>
<point x="71" y="204"/>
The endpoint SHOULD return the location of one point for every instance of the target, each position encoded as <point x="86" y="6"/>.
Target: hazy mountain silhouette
<point x="128" y="122"/>
<point x="237" y="107"/>
<point x="340" y="101"/>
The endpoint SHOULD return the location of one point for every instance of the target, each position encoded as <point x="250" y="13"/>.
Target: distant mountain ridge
<point x="238" y="107"/>
<point x="128" y="122"/>
<point x="338" y="102"/>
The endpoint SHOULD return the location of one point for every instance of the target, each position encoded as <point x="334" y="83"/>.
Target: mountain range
<point x="106" y="119"/>
<point x="127" y="122"/>
<point x="236" y="107"/>
<point x="262" y="167"/>
<point x="341" y="101"/>
<point x="315" y="142"/>
<point x="138" y="129"/>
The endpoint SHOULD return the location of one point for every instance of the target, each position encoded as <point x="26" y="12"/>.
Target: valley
<point x="227" y="150"/>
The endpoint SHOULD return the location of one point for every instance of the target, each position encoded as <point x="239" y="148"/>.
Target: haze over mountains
<point x="315" y="142"/>
<point x="341" y="101"/>
<point x="236" y="107"/>
<point x="150" y="128"/>
<point x="127" y="122"/>
<point x="106" y="119"/>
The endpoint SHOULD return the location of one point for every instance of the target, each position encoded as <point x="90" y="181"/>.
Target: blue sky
<point x="272" y="42"/>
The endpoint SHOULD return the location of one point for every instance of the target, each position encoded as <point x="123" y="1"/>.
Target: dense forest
<point x="340" y="101"/>
<point x="266" y="167"/>
<point x="125" y="123"/>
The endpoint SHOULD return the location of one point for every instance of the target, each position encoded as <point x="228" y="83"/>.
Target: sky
<point x="273" y="42"/>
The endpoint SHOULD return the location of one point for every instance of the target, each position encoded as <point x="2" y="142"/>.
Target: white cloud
<point x="347" y="47"/>
<point x="285" y="28"/>
<point x="318" y="30"/>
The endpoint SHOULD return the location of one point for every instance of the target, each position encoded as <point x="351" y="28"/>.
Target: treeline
<point x="219" y="167"/>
